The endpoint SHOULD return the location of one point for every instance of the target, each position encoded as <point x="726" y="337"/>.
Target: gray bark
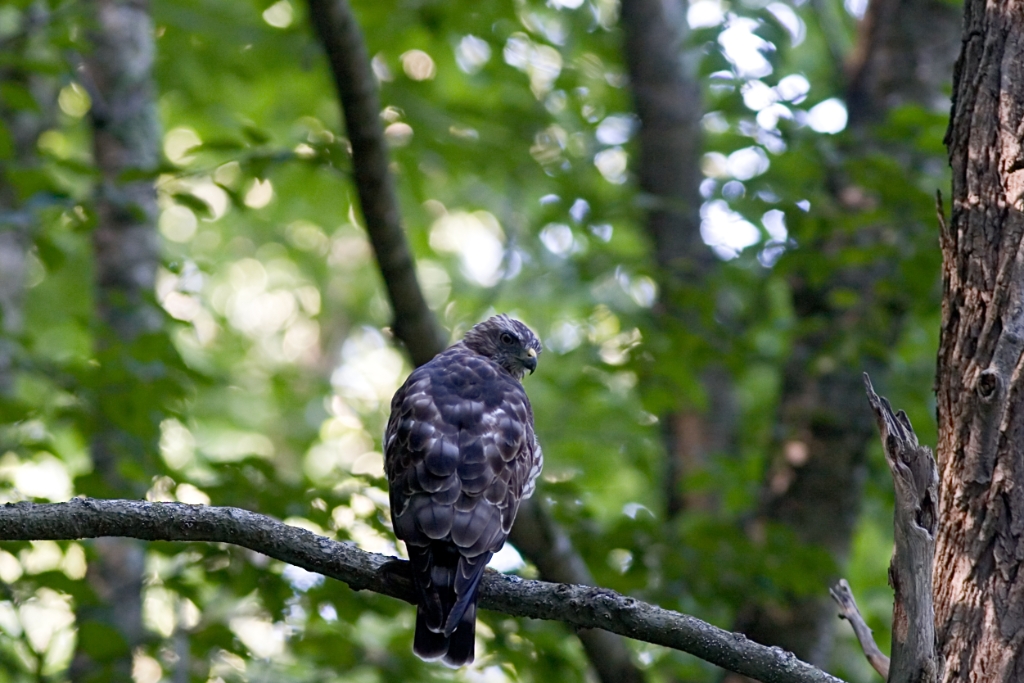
<point x="914" y="520"/>
<point x="579" y="606"/>
<point x="842" y="594"/>
<point x="126" y="137"/>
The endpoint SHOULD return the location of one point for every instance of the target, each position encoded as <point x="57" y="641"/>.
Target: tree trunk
<point x="126" y="136"/>
<point x="814" y="489"/>
<point x="23" y="126"/>
<point x="979" y="597"/>
<point x="667" y="100"/>
<point x="12" y="276"/>
<point x="904" y="51"/>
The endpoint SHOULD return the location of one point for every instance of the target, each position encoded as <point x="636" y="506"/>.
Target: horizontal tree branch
<point x="580" y="606"/>
<point x="414" y="324"/>
<point x="544" y="542"/>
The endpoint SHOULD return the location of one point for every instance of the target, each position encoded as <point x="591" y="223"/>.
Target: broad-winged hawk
<point x="460" y="454"/>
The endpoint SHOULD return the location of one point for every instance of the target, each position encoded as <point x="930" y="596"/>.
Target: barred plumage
<point x="460" y="454"/>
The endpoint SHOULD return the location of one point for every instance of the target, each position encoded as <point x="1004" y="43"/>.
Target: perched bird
<point x="460" y="455"/>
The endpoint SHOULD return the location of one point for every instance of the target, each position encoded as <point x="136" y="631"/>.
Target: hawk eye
<point x="506" y="338"/>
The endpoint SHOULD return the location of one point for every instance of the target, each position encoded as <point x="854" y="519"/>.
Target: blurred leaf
<point x="193" y="202"/>
<point x="103" y="643"/>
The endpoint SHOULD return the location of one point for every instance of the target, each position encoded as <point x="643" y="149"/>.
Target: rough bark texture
<point x="126" y="137"/>
<point x="537" y="536"/>
<point x="414" y="324"/>
<point x="580" y="606"/>
<point x="914" y="519"/>
<point x="979" y="596"/>
<point x="814" y="487"/>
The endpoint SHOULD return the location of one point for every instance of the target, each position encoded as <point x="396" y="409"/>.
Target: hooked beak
<point x="530" y="362"/>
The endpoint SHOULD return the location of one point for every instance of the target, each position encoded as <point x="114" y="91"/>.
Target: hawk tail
<point x="427" y="644"/>
<point x="454" y="650"/>
<point x="446" y="614"/>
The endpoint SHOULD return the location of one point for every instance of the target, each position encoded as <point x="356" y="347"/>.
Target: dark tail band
<point x="455" y="650"/>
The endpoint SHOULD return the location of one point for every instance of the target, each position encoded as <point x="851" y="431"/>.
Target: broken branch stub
<point x="910" y="573"/>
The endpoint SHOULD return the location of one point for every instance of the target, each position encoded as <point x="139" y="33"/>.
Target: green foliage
<point x="268" y="383"/>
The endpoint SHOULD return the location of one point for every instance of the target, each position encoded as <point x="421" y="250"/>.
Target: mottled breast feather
<point x="460" y="455"/>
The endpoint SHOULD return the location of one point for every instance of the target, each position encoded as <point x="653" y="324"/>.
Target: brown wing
<point x="460" y="454"/>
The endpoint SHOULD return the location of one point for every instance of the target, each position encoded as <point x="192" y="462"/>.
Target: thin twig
<point x="843" y="596"/>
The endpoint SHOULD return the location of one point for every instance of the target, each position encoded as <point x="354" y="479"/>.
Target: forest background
<point x="715" y="216"/>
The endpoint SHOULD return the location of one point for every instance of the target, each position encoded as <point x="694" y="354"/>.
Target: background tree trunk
<point x="979" y="603"/>
<point x="668" y="102"/>
<point x="903" y="55"/>
<point x="12" y="276"/>
<point x="814" y="485"/>
<point x="23" y="125"/>
<point x="126" y="137"/>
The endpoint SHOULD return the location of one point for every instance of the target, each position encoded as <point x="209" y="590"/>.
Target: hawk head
<point x="507" y="342"/>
